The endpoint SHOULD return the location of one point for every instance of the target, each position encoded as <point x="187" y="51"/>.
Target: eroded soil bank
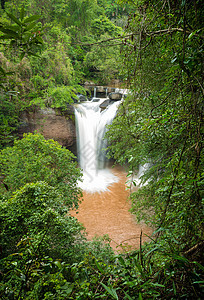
<point x="108" y="213"/>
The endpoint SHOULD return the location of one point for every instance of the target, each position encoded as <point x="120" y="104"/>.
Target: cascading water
<point x="103" y="213"/>
<point x="91" y="127"/>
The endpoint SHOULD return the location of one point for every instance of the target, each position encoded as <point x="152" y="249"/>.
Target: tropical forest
<point x="101" y="149"/>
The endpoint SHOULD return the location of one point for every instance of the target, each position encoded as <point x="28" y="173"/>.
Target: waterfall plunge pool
<point x="107" y="213"/>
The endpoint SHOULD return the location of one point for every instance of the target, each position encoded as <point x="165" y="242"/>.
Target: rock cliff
<point x="52" y="124"/>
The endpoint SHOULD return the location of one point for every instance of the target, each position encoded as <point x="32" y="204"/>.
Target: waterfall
<point x="95" y="92"/>
<point x="91" y="127"/>
<point x="141" y="172"/>
<point x="106" y="92"/>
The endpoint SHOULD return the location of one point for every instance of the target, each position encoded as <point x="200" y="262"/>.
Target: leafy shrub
<point x="35" y="159"/>
<point x="37" y="211"/>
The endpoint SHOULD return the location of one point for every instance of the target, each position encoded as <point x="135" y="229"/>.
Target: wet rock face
<point x="52" y="125"/>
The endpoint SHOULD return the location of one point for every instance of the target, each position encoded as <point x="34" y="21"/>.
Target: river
<point x="108" y="213"/>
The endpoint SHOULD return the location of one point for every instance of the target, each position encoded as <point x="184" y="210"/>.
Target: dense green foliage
<point x="160" y="124"/>
<point x="44" y="254"/>
<point x="37" y="211"/>
<point x="33" y="159"/>
<point x="68" y="33"/>
<point x="38" y="237"/>
<point x="21" y="37"/>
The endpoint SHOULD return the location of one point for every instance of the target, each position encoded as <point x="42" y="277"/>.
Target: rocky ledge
<point x="52" y="124"/>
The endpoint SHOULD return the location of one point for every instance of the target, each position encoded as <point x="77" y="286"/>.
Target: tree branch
<point x="194" y="248"/>
<point x="145" y="33"/>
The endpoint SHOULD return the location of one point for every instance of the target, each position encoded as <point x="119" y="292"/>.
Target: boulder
<point x="81" y="98"/>
<point x="115" y="96"/>
<point x="94" y="99"/>
<point x="104" y="104"/>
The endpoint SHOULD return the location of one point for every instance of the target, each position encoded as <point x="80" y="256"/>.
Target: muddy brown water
<point x="108" y="213"/>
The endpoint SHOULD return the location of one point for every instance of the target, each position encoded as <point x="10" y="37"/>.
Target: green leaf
<point x="139" y="267"/>
<point x="10" y="32"/>
<point x="127" y="296"/>
<point x="40" y="40"/>
<point x="6" y="37"/>
<point x="12" y="17"/>
<point x="32" y="54"/>
<point x="30" y="26"/>
<point x="140" y="296"/>
<point x="13" y="27"/>
<point x="99" y="267"/>
<point x="13" y="254"/>
<point x="22" y="13"/>
<point x="33" y="18"/>
<point x="22" y="55"/>
<point x="122" y="261"/>
<point x="192" y="34"/>
<point x="156" y="284"/>
<point x="58" y="264"/>
<point x="174" y="288"/>
<point x="199" y="282"/>
<point x="110" y="290"/>
<point x="199" y="265"/>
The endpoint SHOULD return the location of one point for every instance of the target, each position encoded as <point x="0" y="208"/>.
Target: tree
<point x="36" y="234"/>
<point x="23" y="33"/>
<point x="39" y="186"/>
<point x="21" y="36"/>
<point x="160" y="121"/>
<point x="159" y="124"/>
<point x="102" y="62"/>
<point x="37" y="211"/>
<point x="35" y="159"/>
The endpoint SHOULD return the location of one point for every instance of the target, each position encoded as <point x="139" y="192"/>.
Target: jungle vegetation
<point x="48" y="49"/>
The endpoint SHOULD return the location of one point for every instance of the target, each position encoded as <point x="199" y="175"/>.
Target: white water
<point x="91" y="126"/>
<point x="138" y="178"/>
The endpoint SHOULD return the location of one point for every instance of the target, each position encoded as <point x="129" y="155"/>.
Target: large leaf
<point x="10" y="32"/>
<point x="6" y="37"/>
<point x="127" y="296"/>
<point x="22" y="13"/>
<point x="99" y="267"/>
<point x="33" y="18"/>
<point x="110" y="290"/>
<point x="30" y="26"/>
<point x="12" y="17"/>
